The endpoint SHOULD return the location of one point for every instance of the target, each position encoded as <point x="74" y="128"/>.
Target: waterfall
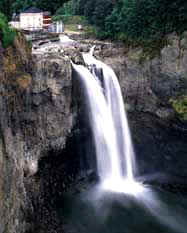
<point x="108" y="120"/>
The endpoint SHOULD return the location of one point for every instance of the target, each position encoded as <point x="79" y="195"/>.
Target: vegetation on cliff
<point x="180" y="106"/>
<point x="16" y="64"/>
<point x="7" y="34"/>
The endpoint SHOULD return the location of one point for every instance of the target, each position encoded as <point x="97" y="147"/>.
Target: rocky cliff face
<point x="14" y="72"/>
<point x="44" y="131"/>
<point x="36" y="118"/>
<point x="152" y="88"/>
<point x="149" y="84"/>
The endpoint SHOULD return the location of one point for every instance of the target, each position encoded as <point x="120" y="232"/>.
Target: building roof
<point x="47" y="13"/>
<point x="33" y="10"/>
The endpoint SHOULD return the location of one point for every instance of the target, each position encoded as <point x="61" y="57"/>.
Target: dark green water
<point x="148" y="212"/>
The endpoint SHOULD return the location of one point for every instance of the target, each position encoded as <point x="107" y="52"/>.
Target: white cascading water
<point x="114" y="150"/>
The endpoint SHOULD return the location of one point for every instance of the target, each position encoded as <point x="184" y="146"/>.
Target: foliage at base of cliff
<point x="180" y="106"/>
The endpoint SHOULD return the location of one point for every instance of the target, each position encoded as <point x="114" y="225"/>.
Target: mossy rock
<point x="180" y="106"/>
<point x="24" y="81"/>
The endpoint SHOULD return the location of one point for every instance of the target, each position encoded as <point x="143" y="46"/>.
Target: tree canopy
<point x="8" y="7"/>
<point x="6" y="33"/>
<point x="135" y="19"/>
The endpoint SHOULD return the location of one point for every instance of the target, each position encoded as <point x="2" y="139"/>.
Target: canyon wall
<point x="36" y="118"/>
<point x="45" y="139"/>
<point x="155" y="93"/>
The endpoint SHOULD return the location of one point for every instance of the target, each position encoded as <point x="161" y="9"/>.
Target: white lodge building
<point x="34" y="19"/>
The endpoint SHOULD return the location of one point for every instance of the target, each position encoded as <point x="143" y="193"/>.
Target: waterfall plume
<point x="108" y="120"/>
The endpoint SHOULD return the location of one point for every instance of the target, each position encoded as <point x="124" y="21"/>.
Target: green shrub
<point x="79" y="6"/>
<point x="66" y="9"/>
<point x="180" y="106"/>
<point x="7" y="34"/>
<point x="69" y="19"/>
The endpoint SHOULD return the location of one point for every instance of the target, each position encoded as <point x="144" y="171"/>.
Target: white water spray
<point x="114" y="150"/>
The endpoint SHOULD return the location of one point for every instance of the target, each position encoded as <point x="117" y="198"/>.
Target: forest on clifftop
<point x="136" y="21"/>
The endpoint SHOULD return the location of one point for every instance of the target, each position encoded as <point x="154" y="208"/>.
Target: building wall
<point x="31" y="21"/>
<point x="59" y="27"/>
<point x="46" y="21"/>
<point x="56" y="27"/>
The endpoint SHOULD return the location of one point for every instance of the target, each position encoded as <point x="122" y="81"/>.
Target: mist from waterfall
<point x="108" y="120"/>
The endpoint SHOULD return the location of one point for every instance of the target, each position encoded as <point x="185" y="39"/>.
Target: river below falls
<point x="152" y="211"/>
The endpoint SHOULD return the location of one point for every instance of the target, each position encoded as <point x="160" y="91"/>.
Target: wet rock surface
<point x="148" y="84"/>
